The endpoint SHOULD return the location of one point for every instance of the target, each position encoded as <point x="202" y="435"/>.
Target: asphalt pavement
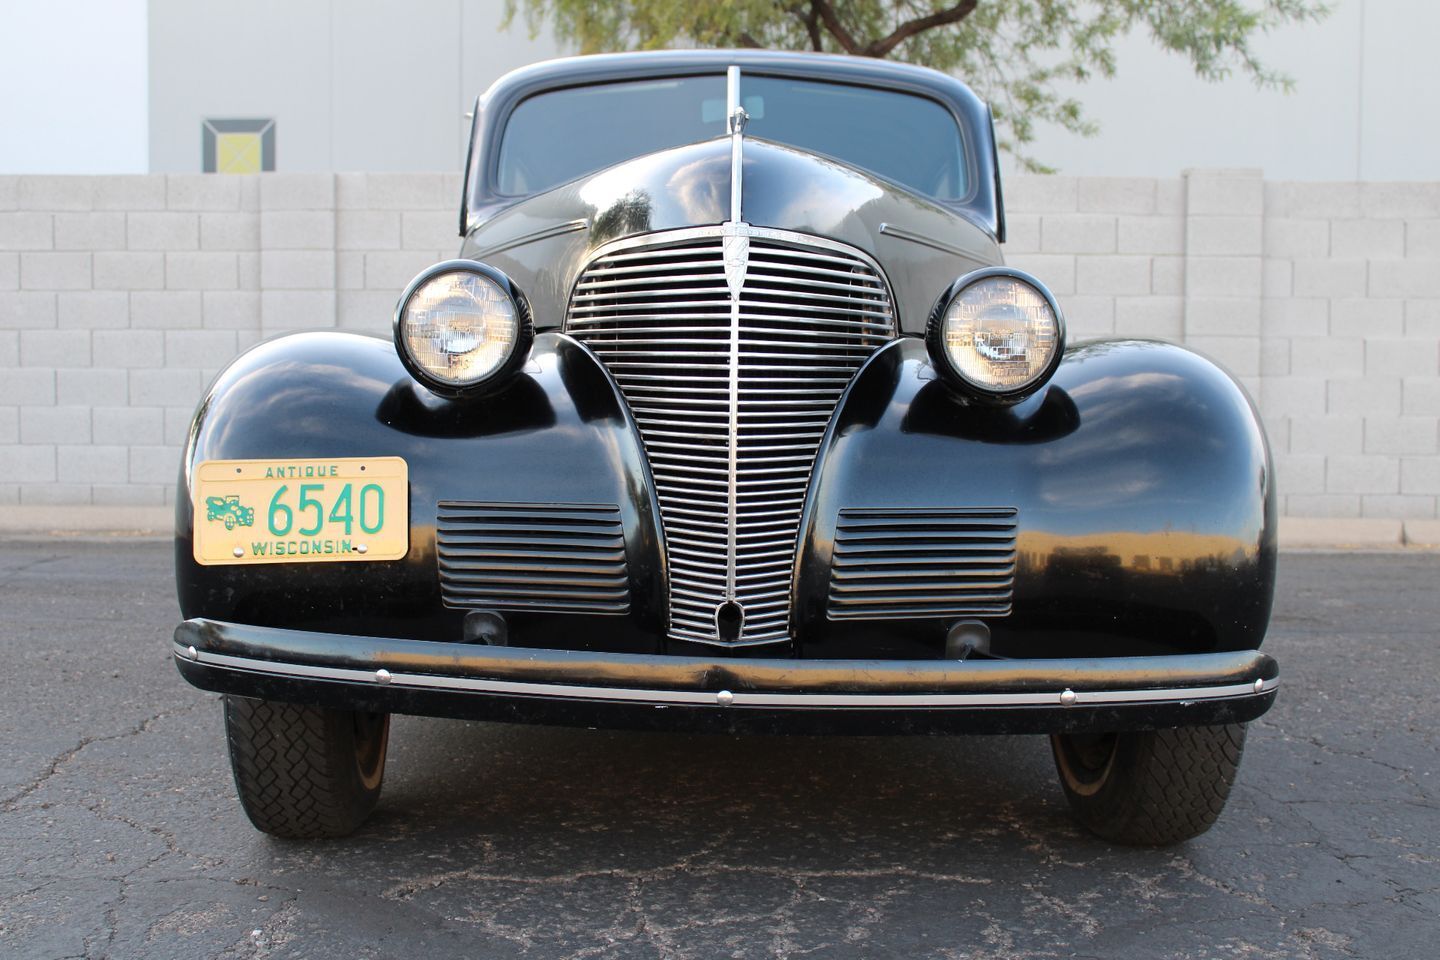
<point x="120" y="835"/>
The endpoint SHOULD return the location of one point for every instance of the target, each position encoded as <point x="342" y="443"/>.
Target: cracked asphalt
<point x="121" y="837"/>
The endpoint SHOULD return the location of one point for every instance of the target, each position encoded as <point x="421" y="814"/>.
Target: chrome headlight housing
<point x="996" y="333"/>
<point x="462" y="327"/>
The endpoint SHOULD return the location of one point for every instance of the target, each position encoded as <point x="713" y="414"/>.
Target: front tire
<point x="1149" y="788"/>
<point x="305" y="772"/>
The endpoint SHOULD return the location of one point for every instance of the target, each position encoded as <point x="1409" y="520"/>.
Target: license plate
<point x="301" y="511"/>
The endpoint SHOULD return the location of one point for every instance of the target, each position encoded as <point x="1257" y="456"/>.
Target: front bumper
<point x="724" y="694"/>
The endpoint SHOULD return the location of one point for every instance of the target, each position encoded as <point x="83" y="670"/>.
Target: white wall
<point x="121" y="296"/>
<point x="72" y="86"/>
<point x="353" y="85"/>
<point x="374" y="85"/>
<point x="1363" y="107"/>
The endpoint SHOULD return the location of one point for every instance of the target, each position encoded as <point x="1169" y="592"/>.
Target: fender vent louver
<point x="902" y="564"/>
<point x="542" y="557"/>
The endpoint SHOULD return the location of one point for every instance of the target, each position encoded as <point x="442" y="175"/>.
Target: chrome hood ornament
<point x="738" y="118"/>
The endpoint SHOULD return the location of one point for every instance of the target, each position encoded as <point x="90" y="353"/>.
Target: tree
<point x="1015" y="53"/>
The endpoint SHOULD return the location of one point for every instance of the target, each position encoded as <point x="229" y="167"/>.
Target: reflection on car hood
<point x="543" y="242"/>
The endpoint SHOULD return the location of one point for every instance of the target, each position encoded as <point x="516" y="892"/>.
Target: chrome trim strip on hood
<point x="736" y="118"/>
<point x="900" y="233"/>
<point x="572" y="226"/>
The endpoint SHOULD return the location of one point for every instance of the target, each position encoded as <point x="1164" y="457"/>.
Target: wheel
<point x="229" y="521"/>
<point x="1151" y="787"/>
<point x="305" y="772"/>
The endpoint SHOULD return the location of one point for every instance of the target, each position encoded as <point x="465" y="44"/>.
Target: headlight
<point x="997" y="333"/>
<point x="462" y="326"/>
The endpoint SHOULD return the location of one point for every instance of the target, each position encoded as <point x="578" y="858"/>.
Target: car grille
<point x="543" y="557"/>
<point x="897" y="564"/>
<point x="732" y="395"/>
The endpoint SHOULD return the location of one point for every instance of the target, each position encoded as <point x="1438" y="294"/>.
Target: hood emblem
<point x="738" y="119"/>
<point x="737" y="261"/>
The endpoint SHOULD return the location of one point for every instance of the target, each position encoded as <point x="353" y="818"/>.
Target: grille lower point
<point x="729" y="621"/>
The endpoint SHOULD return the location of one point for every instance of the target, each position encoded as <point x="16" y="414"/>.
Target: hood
<point x="543" y="242"/>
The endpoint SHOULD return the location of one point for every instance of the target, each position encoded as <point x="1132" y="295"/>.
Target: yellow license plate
<point x="301" y="511"/>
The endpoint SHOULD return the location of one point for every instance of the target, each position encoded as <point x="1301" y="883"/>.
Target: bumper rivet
<point x="1259" y="686"/>
<point x="1067" y="698"/>
<point x="239" y="551"/>
<point x="361" y="548"/>
<point x="192" y="653"/>
<point x="382" y="675"/>
<point x="724" y="698"/>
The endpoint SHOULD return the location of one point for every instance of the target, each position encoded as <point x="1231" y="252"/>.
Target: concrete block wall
<point x="120" y="297"/>
<point x="1352" y="337"/>
<point x="1322" y="298"/>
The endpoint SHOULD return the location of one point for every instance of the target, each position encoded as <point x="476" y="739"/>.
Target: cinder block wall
<point x="120" y="297"/>
<point x="1323" y="298"/>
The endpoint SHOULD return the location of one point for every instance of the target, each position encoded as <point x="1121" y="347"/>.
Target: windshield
<point x="555" y="137"/>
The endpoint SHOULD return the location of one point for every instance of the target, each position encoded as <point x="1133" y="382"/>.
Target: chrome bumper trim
<point x="726" y="698"/>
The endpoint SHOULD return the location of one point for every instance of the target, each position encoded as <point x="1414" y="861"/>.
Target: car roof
<point x="599" y="68"/>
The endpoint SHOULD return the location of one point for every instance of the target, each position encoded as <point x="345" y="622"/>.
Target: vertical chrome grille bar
<point x="732" y="344"/>
<point x="737" y="256"/>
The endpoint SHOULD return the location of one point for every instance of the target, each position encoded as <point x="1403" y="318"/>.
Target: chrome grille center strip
<point x="732" y="344"/>
<point x="737" y="258"/>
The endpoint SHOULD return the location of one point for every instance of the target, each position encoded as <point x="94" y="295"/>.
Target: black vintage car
<point x="729" y="417"/>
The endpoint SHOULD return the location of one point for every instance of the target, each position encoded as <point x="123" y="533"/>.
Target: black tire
<point x="305" y="772"/>
<point x="1149" y="788"/>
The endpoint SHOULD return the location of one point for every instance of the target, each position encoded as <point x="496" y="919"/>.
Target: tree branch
<point x="812" y="27"/>
<point x="825" y="13"/>
<point x="803" y="12"/>
<point x="908" y="29"/>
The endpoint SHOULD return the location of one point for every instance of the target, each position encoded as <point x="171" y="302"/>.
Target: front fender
<point x="557" y="434"/>
<point x="1140" y="479"/>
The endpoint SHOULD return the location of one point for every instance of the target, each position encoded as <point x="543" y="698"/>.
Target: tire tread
<point x="293" y="767"/>
<point x="1166" y="786"/>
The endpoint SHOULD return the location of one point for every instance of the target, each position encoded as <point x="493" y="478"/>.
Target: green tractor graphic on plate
<point x="229" y="510"/>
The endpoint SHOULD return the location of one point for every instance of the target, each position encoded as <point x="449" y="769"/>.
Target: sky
<point x="73" y="86"/>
